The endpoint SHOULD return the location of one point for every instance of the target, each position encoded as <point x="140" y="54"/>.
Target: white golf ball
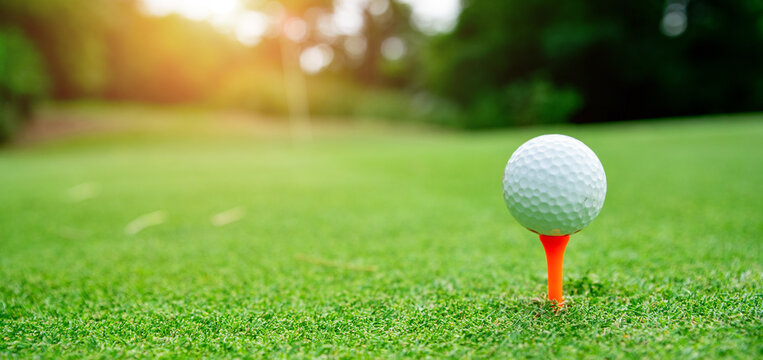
<point x="554" y="185"/>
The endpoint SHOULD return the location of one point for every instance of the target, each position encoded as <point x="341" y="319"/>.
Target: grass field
<point x="184" y="235"/>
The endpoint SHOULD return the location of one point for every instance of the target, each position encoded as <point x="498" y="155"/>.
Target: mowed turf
<point x="373" y="242"/>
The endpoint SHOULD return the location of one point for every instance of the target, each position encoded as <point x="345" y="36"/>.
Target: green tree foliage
<point x="612" y="54"/>
<point x="373" y="68"/>
<point x="109" y="49"/>
<point x="523" y="103"/>
<point x="70" y="36"/>
<point x="507" y="62"/>
<point x="22" y="80"/>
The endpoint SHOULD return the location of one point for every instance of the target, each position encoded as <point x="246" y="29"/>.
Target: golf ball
<point x="554" y="185"/>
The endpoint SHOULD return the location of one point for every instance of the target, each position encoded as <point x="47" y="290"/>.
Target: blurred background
<point x="464" y="64"/>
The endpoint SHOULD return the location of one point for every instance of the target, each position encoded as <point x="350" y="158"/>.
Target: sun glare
<point x="249" y="26"/>
<point x="227" y="15"/>
<point x="193" y="9"/>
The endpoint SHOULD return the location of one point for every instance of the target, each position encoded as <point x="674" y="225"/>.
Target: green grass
<point x="374" y="242"/>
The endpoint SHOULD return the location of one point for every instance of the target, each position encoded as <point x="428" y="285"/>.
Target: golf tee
<point x="554" y="246"/>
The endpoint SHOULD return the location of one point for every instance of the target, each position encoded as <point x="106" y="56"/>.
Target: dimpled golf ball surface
<point x="554" y="185"/>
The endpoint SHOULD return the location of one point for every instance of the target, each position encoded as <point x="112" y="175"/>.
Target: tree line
<point x="506" y="62"/>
